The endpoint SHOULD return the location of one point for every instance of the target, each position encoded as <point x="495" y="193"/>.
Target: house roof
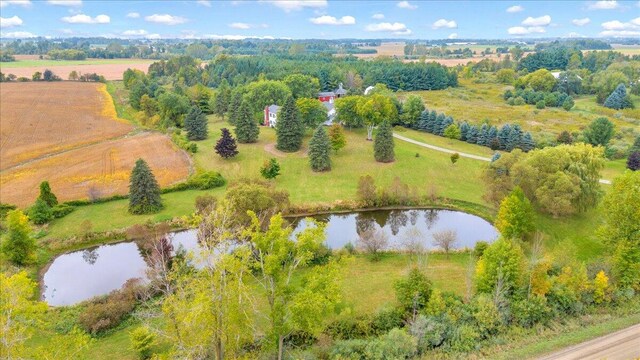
<point x="274" y="108"/>
<point x="340" y="90"/>
<point x="326" y="93"/>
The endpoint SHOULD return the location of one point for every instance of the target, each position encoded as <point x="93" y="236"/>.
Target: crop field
<point x="37" y="121"/>
<point x="68" y="133"/>
<point x="111" y="69"/>
<point x="476" y="103"/>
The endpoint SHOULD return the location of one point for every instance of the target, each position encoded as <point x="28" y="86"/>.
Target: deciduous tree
<point x="502" y="266"/>
<point x="516" y="215"/>
<point x="374" y="110"/>
<point x="19" y="246"/>
<point x="312" y="112"/>
<point x="336" y="137"/>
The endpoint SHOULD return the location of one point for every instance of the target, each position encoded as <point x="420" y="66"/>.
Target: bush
<point x="413" y="291"/>
<point x="540" y="104"/>
<point x="464" y="339"/>
<point x="5" y="208"/>
<point x="40" y="213"/>
<point x="397" y="344"/>
<point x="142" y="341"/>
<point x="479" y="248"/>
<point x="528" y="312"/>
<point x="207" y="180"/>
<point x="62" y="210"/>
<point x="387" y="319"/>
<point x="519" y="101"/>
<point x="107" y="312"/>
<point x="349" y="328"/>
<point x="205" y="204"/>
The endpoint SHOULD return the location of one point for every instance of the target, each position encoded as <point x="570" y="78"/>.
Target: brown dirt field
<point x="42" y="118"/>
<point x="102" y="168"/>
<point x="109" y="71"/>
<point x="26" y="57"/>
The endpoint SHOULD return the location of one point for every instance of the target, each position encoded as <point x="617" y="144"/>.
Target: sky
<point x="319" y="19"/>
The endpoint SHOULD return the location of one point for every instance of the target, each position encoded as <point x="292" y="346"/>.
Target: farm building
<point x="271" y="115"/>
<point x="327" y="98"/>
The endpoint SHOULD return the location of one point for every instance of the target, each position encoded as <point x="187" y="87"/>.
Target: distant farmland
<point x="111" y="69"/>
<point x="68" y="133"/>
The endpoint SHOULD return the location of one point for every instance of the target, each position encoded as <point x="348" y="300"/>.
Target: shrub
<point x="387" y="319"/>
<point x="486" y="315"/>
<point x="349" y="328"/>
<point x="142" y="341"/>
<point x="601" y="289"/>
<point x="205" y="204"/>
<point x="540" y="104"/>
<point x="519" y="101"/>
<point x="464" y="338"/>
<point x="5" y="208"/>
<point x="40" y="213"/>
<point x="633" y="162"/>
<point x="46" y="195"/>
<point x="454" y="158"/>
<point x="367" y="190"/>
<point x="528" y="312"/>
<point x="479" y="248"/>
<point x="452" y="132"/>
<point x="270" y="169"/>
<point x="413" y="291"/>
<point x="107" y="312"/>
<point x="207" y="180"/>
<point x="62" y="210"/>
<point x="568" y="103"/>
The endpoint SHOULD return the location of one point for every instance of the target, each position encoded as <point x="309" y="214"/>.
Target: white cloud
<point x="330" y="20"/>
<point x="581" y="22"/>
<point x="133" y="15"/>
<point x="86" y="19"/>
<point x="603" y="5"/>
<point x="378" y="16"/>
<point x="636" y="21"/>
<point x="23" y="3"/>
<point x="65" y="2"/>
<point x="165" y="19"/>
<point x="515" y="9"/>
<point x="134" y="32"/>
<point x="444" y="23"/>
<point x="452" y="36"/>
<point x="620" y="33"/>
<point x="295" y="5"/>
<point x="574" y="35"/>
<point x="521" y="30"/>
<point x="618" y="25"/>
<point x="10" y="22"/>
<point x="239" y="25"/>
<point x="18" y="35"/>
<point x="153" y="36"/>
<point x="406" y="5"/>
<point x="205" y="3"/>
<point x="539" y="21"/>
<point x="395" y="28"/>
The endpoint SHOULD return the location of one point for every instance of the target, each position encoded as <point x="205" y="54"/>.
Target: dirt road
<point x="621" y="345"/>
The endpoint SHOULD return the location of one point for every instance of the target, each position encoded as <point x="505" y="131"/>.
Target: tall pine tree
<point x="289" y="128"/>
<point x="196" y="124"/>
<point x="383" y="144"/>
<point x="423" y="121"/>
<point x="503" y="136"/>
<point x="439" y="125"/>
<point x="234" y="107"/>
<point x="472" y="134"/>
<point x="226" y="145"/>
<point x="247" y="130"/>
<point x="515" y="138"/>
<point x="144" y="192"/>
<point x="618" y="99"/>
<point x="319" y="148"/>
<point x="223" y="99"/>
<point x="464" y="130"/>
<point x="527" y="144"/>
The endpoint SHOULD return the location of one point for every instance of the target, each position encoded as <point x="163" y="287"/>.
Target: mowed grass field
<point x="68" y="133"/>
<point x="476" y="103"/>
<point x="111" y="69"/>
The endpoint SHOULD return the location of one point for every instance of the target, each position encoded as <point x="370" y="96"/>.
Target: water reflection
<point x="81" y="275"/>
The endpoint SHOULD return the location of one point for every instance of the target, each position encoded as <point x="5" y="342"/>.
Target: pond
<point x="81" y="275"/>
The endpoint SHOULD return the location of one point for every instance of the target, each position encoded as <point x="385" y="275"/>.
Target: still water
<point x="81" y="275"/>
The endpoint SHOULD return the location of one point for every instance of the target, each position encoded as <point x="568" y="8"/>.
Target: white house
<point x="271" y="115"/>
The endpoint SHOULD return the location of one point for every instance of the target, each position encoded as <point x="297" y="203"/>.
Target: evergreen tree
<point x="472" y="134"/>
<point x="336" y="137"/>
<point x="383" y="143"/>
<point x="246" y="130"/>
<point x="423" y="122"/>
<point x="527" y="144"/>
<point x="599" y="132"/>
<point x="495" y="157"/>
<point x="223" y="99"/>
<point x="565" y="138"/>
<point x="503" y="136"/>
<point x="319" y="148"/>
<point x="144" y="192"/>
<point x="464" y="130"/>
<point x="445" y="124"/>
<point x="483" y="135"/>
<point x="438" y="128"/>
<point x="636" y="145"/>
<point x="431" y="124"/>
<point x="226" y="145"/>
<point x="234" y="107"/>
<point x="515" y="137"/>
<point x="289" y="128"/>
<point x="196" y="124"/>
<point x="493" y="134"/>
<point x="618" y="99"/>
<point x="633" y="162"/>
<point x="40" y="213"/>
<point x="47" y="195"/>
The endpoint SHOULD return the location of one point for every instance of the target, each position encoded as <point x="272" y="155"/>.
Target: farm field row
<point x="111" y="69"/>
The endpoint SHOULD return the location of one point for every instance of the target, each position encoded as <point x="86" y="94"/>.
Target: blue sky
<point x="320" y="19"/>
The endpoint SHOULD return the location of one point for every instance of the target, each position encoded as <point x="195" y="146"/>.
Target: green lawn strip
<point x="443" y="142"/>
<point x="120" y="100"/>
<point x="54" y="63"/>
<point x="576" y="332"/>
<point x="613" y="169"/>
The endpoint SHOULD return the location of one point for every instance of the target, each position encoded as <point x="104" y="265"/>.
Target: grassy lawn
<point x="53" y="63"/>
<point x="476" y="103"/>
<point x="456" y="145"/>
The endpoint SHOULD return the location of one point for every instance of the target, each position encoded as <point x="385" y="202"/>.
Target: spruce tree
<point x="319" y="148"/>
<point x="234" y="107"/>
<point x="527" y="144"/>
<point x="144" y="192"/>
<point x="196" y="124"/>
<point x="47" y="195"/>
<point x="431" y="124"/>
<point x="247" y="130"/>
<point x="289" y="128"/>
<point x="423" y="121"/>
<point x="503" y="136"/>
<point x="383" y="143"/>
<point x="472" y="134"/>
<point x="223" y="99"/>
<point x="464" y="130"/>
<point x="617" y="98"/>
<point x="438" y="128"/>
<point x="483" y="135"/>
<point x="226" y="145"/>
<point x="515" y="137"/>
<point x="636" y="145"/>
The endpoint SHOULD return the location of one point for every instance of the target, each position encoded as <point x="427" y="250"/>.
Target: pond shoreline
<point x="117" y="238"/>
